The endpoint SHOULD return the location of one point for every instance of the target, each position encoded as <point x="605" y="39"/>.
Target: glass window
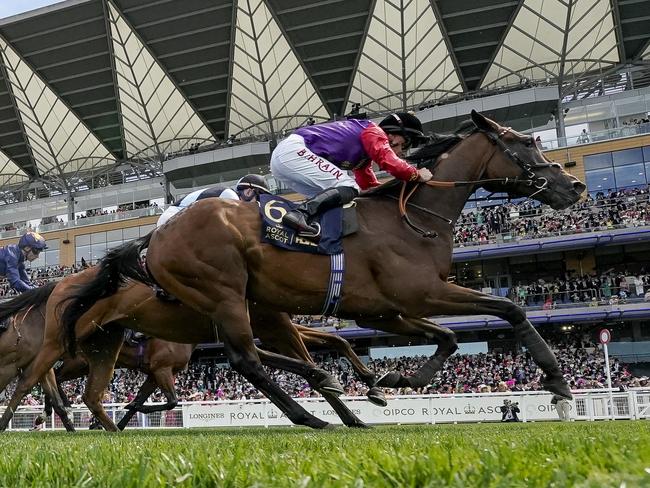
<point x="600" y="180"/>
<point x="114" y="235"/>
<point x="82" y="252"/>
<point x="82" y="240"/>
<point x="98" y="251"/>
<point x="130" y="233"/>
<point x="629" y="156"/>
<point x="646" y="153"/>
<point x="632" y="175"/>
<point x="53" y="244"/>
<point x="145" y="229"/>
<point x="52" y="257"/>
<point x="97" y="237"/>
<point x="112" y="244"/>
<point x="597" y="161"/>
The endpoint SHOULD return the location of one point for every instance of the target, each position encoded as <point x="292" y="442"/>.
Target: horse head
<point x="529" y="173"/>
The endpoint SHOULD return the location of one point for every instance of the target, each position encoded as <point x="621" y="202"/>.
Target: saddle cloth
<point x="334" y="225"/>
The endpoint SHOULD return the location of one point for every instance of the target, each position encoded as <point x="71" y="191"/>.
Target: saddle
<point x="333" y="225"/>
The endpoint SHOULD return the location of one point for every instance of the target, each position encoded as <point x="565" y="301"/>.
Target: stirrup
<point x="296" y="220"/>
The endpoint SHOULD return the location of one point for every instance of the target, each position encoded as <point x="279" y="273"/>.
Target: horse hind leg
<point x="101" y="349"/>
<point x="51" y="389"/>
<point x="147" y="388"/>
<point x="316" y="378"/>
<point x="313" y="337"/>
<point x="444" y="338"/>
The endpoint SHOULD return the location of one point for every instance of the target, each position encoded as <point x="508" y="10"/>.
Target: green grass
<point x="527" y="455"/>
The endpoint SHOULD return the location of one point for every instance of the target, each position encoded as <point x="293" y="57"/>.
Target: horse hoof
<point x="360" y="425"/>
<point x="389" y="380"/>
<point x="558" y="386"/>
<point x="376" y="396"/>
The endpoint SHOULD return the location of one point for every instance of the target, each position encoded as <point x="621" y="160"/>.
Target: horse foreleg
<point x="313" y="338"/>
<point x="165" y="381"/>
<point x="442" y="336"/>
<point x="51" y="389"/>
<point x="236" y="333"/>
<point x="101" y="350"/>
<point x="147" y="388"/>
<point x="44" y="360"/>
<point x="320" y="380"/>
<point x="456" y="300"/>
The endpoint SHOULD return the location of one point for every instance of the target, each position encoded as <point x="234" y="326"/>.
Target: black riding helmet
<point x="256" y="182"/>
<point x="406" y="125"/>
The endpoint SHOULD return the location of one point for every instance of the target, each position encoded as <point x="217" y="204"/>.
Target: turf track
<point x="543" y="454"/>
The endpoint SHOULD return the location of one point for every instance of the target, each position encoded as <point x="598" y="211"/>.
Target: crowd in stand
<point x="121" y="208"/>
<point x="606" y="288"/>
<point x="582" y="363"/>
<point x="529" y="220"/>
<point x="41" y="276"/>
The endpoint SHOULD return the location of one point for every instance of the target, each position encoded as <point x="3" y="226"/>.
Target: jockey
<point x="12" y="262"/>
<point x="247" y="189"/>
<point x="314" y="161"/>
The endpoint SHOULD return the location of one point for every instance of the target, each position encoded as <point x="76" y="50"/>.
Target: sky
<point x="13" y="7"/>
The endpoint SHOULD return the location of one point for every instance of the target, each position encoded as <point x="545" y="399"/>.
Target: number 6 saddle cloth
<point x="333" y="224"/>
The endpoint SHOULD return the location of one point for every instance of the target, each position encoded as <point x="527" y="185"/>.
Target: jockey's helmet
<point x="256" y="182"/>
<point x="406" y="125"/>
<point x="33" y="240"/>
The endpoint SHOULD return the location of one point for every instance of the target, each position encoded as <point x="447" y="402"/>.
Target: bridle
<point x="527" y="177"/>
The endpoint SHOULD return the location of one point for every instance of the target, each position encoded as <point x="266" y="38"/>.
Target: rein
<point x="17" y="325"/>
<point x="540" y="183"/>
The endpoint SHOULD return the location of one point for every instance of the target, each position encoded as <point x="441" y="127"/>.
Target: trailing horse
<point x="136" y="306"/>
<point x="211" y="258"/>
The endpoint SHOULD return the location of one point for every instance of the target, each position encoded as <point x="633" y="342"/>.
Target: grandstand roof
<point x="88" y="83"/>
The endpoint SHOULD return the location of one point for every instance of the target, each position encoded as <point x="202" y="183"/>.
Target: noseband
<point x="527" y="169"/>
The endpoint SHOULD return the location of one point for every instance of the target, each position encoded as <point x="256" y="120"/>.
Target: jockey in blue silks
<point x="247" y="189"/>
<point x="12" y="261"/>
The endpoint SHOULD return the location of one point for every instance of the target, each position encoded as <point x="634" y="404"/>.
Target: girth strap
<point x="335" y="286"/>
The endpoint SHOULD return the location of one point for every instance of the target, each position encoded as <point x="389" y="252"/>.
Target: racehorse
<point x="137" y="307"/>
<point x="160" y="360"/>
<point x="23" y="339"/>
<point x="397" y="266"/>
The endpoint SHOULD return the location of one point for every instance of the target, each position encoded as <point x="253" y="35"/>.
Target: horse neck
<point x="465" y="162"/>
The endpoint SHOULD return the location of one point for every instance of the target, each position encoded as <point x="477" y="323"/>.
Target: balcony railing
<point x="82" y="222"/>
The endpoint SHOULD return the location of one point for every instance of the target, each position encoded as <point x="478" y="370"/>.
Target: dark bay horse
<point x="211" y="258"/>
<point x="137" y="307"/>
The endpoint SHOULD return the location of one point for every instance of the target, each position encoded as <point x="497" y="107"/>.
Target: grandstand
<point x="110" y="109"/>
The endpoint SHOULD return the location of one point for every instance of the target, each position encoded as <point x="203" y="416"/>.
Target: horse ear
<point x="482" y="122"/>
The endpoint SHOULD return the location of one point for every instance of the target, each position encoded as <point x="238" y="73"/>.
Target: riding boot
<point x="298" y="219"/>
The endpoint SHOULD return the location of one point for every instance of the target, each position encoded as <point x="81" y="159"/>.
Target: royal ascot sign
<point x="400" y="410"/>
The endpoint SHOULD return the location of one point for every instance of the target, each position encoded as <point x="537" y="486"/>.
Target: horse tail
<point x="29" y="298"/>
<point x="114" y="269"/>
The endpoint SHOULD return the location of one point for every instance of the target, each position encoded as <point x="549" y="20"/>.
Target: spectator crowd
<point x="529" y="220"/>
<point x="206" y="380"/>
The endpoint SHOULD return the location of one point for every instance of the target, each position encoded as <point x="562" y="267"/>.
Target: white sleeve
<point x="229" y="194"/>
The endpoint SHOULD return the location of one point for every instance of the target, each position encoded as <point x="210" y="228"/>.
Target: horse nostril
<point x="579" y="186"/>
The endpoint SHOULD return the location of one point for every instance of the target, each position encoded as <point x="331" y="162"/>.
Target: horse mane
<point x="430" y="152"/>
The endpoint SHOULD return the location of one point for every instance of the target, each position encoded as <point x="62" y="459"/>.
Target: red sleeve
<point x="375" y="144"/>
<point x="365" y="177"/>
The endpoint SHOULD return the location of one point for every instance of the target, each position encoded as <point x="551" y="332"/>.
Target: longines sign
<point x="416" y="410"/>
